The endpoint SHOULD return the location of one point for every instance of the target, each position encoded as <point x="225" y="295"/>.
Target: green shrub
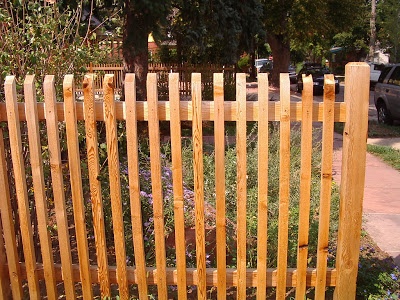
<point x="244" y="63"/>
<point x="44" y="40"/>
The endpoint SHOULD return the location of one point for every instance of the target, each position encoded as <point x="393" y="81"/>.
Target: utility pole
<point x="372" y="37"/>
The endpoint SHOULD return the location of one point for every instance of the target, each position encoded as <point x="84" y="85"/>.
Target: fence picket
<point x="241" y="153"/>
<point x="326" y="186"/>
<point x="284" y="185"/>
<point x="197" y="133"/>
<point x="263" y="129"/>
<point x="156" y="185"/>
<point x="115" y="184"/>
<point x="176" y="111"/>
<point x="95" y="185"/>
<point x="176" y="148"/>
<point x="219" y="134"/>
<point x="20" y="184"/>
<point x="305" y="186"/>
<point x="14" y="270"/>
<point x="134" y="184"/>
<point x="35" y="151"/>
<point x="4" y="276"/>
<point x="76" y="185"/>
<point x="58" y="185"/>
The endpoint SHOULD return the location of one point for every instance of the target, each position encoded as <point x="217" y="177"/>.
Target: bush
<point x="244" y="63"/>
<point x="42" y="39"/>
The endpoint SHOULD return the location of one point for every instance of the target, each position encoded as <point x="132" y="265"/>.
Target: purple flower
<point x="394" y="277"/>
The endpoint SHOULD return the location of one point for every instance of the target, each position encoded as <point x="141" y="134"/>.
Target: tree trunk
<point x="372" y="37"/>
<point x="281" y="54"/>
<point x="135" y="48"/>
<point x="253" y="72"/>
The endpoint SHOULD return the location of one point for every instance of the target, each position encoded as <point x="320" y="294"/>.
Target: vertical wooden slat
<point x="284" y="182"/>
<point x="115" y="184"/>
<point x="197" y="133"/>
<point x="305" y="186"/>
<point x="219" y="130"/>
<point x="134" y="184"/>
<point x="95" y="185"/>
<point x="263" y="130"/>
<point x="177" y="178"/>
<point x="326" y="185"/>
<point x="356" y="96"/>
<point x="156" y="185"/>
<point x="58" y="185"/>
<point x="241" y="141"/>
<point x="20" y="185"/>
<point x="35" y="151"/>
<point x="14" y="270"/>
<point x="5" y="292"/>
<point x="74" y="162"/>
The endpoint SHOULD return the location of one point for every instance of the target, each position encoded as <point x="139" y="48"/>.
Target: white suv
<point x="387" y="95"/>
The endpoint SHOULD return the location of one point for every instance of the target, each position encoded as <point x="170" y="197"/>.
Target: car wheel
<point x="298" y="88"/>
<point x="384" y="115"/>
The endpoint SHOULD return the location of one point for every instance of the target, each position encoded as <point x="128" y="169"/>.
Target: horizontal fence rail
<point x="185" y="108"/>
<point x="152" y="198"/>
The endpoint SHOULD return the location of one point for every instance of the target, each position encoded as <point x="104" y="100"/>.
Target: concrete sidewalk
<point x="391" y="142"/>
<point x="381" y="207"/>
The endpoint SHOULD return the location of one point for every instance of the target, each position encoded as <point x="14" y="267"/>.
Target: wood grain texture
<point x="219" y="136"/>
<point x="74" y="163"/>
<point x="115" y="184"/>
<point x="326" y="185"/>
<point x="95" y="185"/>
<point x="35" y="151"/>
<point x="305" y="186"/>
<point x="352" y="182"/>
<point x="134" y="184"/>
<point x="197" y="133"/>
<point x="241" y="161"/>
<point x="263" y="129"/>
<point x="192" y="276"/>
<point x="14" y="273"/>
<point x="20" y="186"/>
<point x="284" y="185"/>
<point x="230" y="111"/>
<point x="5" y="292"/>
<point x="156" y="185"/>
<point x="57" y="180"/>
<point x="177" y="180"/>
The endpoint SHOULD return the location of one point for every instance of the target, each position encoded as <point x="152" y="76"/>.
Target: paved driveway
<point x="295" y="96"/>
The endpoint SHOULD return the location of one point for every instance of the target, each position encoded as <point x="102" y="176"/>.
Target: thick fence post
<point x="352" y="183"/>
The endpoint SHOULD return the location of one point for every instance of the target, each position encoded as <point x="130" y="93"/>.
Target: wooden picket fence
<point x="162" y="70"/>
<point x="65" y="252"/>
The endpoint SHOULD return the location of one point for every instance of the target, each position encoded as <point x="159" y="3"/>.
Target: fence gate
<point x="180" y="199"/>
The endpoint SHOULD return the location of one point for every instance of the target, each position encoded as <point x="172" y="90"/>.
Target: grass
<point x="388" y="154"/>
<point x="376" y="130"/>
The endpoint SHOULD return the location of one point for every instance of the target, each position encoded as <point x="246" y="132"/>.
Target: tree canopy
<point x="388" y="21"/>
<point x="303" y="23"/>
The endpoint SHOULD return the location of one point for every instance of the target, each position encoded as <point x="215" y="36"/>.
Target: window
<point x="384" y="73"/>
<point x="395" y="77"/>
